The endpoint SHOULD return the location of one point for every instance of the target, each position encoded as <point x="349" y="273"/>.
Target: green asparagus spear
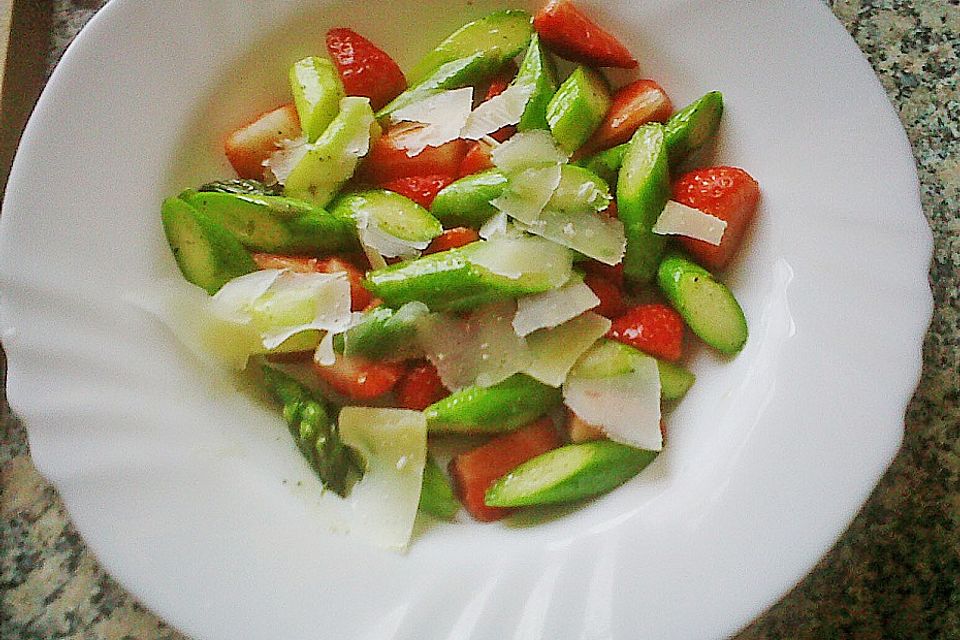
<point x="503" y="407"/>
<point x="578" y="107"/>
<point x="643" y="190"/>
<point x="275" y="223"/>
<point x="384" y="334"/>
<point x="314" y="431"/>
<point x="498" y="36"/>
<point x="536" y="69"/>
<point x="456" y="280"/>
<point x="688" y="129"/>
<point x="706" y="304"/>
<point x="466" y="202"/>
<point x="243" y="187"/>
<point x="208" y="254"/>
<point x="570" y="473"/>
<point x="436" y="495"/>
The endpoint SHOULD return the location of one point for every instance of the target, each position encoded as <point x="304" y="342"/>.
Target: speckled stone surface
<point x="894" y="574"/>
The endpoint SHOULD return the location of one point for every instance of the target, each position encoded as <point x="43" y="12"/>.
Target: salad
<point x="476" y="250"/>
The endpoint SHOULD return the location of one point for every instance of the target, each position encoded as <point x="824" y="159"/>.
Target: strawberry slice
<point x="611" y="297"/>
<point x="359" y="297"/>
<point x="728" y="193"/>
<point x="420" y="189"/>
<point x="476" y="470"/>
<point x="388" y="159"/>
<point x="633" y="105"/>
<point x="452" y="239"/>
<point x="614" y="274"/>
<point x="574" y="36"/>
<point x="653" y="328"/>
<point x="477" y="159"/>
<point x="497" y="86"/>
<point x="365" y="69"/>
<point x="501" y="81"/>
<point x="249" y="146"/>
<point x="360" y="379"/>
<point x="420" y="388"/>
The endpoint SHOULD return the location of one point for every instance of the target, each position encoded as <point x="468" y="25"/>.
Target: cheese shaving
<point x="282" y="161"/>
<point x="595" y="235"/>
<point x="679" y="219"/>
<point x="552" y="308"/>
<point x="382" y="506"/>
<point x="533" y="259"/>
<point x="555" y="351"/>
<point x="626" y="406"/>
<point x="498" y="112"/>
<point x="279" y="304"/>
<point x="443" y="116"/>
<point x="527" y="149"/>
<point x="528" y="192"/>
<point x="481" y="349"/>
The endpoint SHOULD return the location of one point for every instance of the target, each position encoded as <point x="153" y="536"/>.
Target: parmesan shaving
<point x="235" y="299"/>
<point x="324" y="355"/>
<point x="393" y="444"/>
<point x="481" y="349"/>
<point x="552" y="308"/>
<point x="288" y="154"/>
<point x="495" y="226"/>
<point x="679" y="219"/>
<point x="626" y="406"/>
<point x="278" y="304"/>
<point x="527" y="149"/>
<point x="528" y="192"/>
<point x="498" y="112"/>
<point x="443" y="116"/>
<point x="555" y="351"/>
<point x="533" y="259"/>
<point x="595" y="235"/>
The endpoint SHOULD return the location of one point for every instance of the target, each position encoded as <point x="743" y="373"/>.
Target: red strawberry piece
<point x="611" y="296"/>
<point x="476" y="160"/>
<point x="497" y="86"/>
<point x="360" y="379"/>
<point x="728" y="193"/>
<point x="633" y="105"/>
<point x="388" y="159"/>
<point x="656" y="329"/>
<point x="474" y="471"/>
<point x="249" y="146"/>
<point x="574" y="36"/>
<point x="614" y="274"/>
<point x="365" y="69"/>
<point x="452" y="239"/>
<point x="420" y="189"/>
<point x="501" y="81"/>
<point x="420" y="388"/>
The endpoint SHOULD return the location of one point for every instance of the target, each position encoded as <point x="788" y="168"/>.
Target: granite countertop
<point x="894" y="574"/>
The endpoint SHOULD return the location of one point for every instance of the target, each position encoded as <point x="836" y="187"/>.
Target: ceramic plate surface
<point x="187" y="488"/>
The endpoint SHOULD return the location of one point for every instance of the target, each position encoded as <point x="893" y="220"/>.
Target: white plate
<point x="175" y="479"/>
